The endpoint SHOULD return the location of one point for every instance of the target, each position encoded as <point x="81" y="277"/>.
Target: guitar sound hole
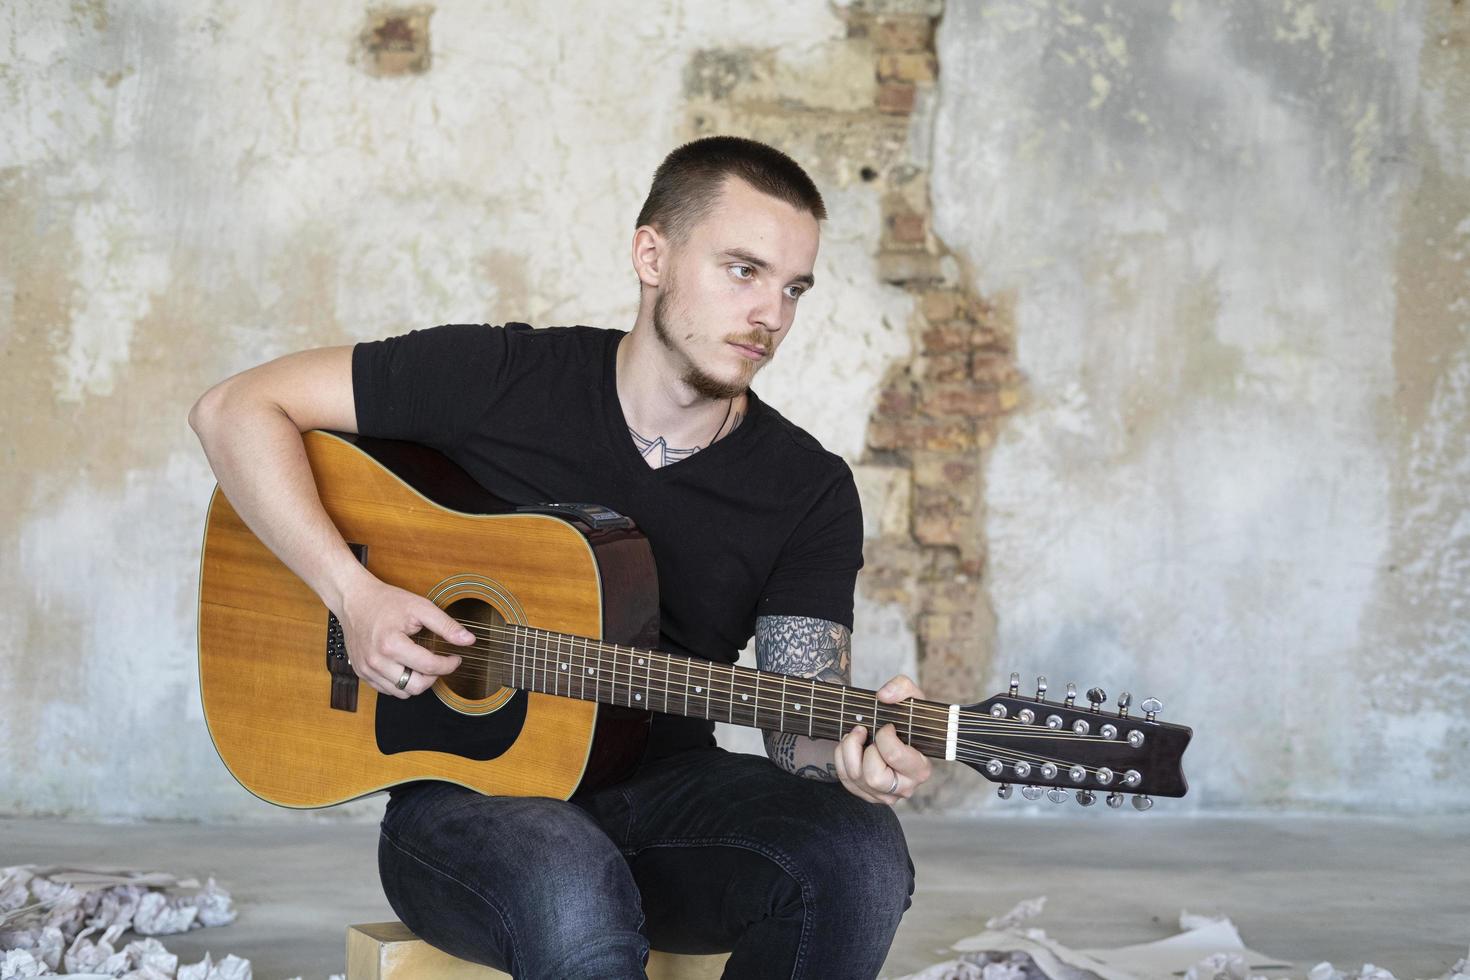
<point x="478" y="675"/>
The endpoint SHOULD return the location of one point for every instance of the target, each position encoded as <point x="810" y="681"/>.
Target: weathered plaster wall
<point x="1238" y="237"/>
<point x="187" y="189"/>
<point x="1162" y="385"/>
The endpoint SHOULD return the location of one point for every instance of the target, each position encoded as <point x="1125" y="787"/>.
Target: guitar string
<point x="935" y="734"/>
<point x="522" y="634"/>
<point x="968" y="750"/>
<point x="525" y="637"/>
<point x="523" y="659"/>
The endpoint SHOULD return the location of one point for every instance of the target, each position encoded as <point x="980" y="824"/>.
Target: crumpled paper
<point x="1206" y="948"/>
<point x="67" y="922"/>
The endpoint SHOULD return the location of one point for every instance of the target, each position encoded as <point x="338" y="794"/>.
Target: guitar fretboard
<point x="590" y="670"/>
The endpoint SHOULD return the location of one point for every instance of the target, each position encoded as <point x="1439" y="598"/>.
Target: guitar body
<point x="296" y="727"/>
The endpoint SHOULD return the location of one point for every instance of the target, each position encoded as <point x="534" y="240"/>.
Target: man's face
<point x="732" y="288"/>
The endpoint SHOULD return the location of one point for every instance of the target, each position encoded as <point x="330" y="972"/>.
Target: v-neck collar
<point x="618" y="430"/>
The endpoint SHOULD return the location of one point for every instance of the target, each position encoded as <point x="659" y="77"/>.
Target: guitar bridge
<point x="344" y="678"/>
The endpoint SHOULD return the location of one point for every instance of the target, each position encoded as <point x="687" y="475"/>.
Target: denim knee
<point x="865" y="858"/>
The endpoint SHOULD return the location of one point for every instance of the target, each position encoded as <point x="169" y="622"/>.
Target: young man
<point x="754" y="528"/>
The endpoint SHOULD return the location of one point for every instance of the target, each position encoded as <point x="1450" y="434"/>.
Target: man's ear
<point x="650" y="255"/>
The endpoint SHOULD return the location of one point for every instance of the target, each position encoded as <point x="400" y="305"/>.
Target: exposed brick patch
<point x="395" y="41"/>
<point x="937" y="413"/>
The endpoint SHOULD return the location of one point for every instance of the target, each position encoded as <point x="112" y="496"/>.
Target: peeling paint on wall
<point x="188" y="189"/>
<point x="1210" y="496"/>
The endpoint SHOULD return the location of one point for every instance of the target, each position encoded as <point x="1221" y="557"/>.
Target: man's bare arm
<point x="250" y="426"/>
<point x="802" y="646"/>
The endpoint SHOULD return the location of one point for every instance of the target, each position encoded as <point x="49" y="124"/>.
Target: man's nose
<point x="766" y="313"/>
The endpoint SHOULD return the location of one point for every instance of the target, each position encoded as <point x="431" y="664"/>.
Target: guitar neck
<point x="590" y="670"/>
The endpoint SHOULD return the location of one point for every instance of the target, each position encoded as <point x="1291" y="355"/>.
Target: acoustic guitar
<point x="554" y="696"/>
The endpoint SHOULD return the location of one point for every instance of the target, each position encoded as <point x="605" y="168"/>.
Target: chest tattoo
<point x="656" y="452"/>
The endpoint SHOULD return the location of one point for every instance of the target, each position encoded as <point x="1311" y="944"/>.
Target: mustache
<point x="752" y="340"/>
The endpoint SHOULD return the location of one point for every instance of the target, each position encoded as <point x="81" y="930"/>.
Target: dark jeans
<point x="702" y="852"/>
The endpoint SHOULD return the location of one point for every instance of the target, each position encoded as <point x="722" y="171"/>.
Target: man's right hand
<point x="378" y="619"/>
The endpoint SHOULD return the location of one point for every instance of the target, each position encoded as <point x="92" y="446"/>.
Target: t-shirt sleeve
<point x="817" y="571"/>
<point x="428" y="386"/>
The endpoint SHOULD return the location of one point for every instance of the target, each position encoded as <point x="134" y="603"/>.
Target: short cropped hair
<point x="687" y="184"/>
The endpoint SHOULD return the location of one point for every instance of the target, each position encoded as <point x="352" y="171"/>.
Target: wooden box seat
<point x="388" y="951"/>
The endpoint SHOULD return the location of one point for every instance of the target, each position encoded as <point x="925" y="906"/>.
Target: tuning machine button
<point x="1086" y="797"/>
<point x="1041" y="688"/>
<point x="1058" y="795"/>
<point x="1031" y="792"/>
<point x="1124" y="700"/>
<point x="1142" y="803"/>
<point x="1048" y="770"/>
<point x="1071" y="694"/>
<point x="1015" y="683"/>
<point x="1151" y="708"/>
<point x="1097" y="696"/>
<point x="1003" y="791"/>
<point x="1115" y="800"/>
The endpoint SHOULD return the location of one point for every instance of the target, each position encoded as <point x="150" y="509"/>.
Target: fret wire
<point x="811" y="719"/>
<point x="708" y="686"/>
<point x="732" y="694"/>
<point x="932" y="737"/>
<point x="519" y="667"/>
<point x="781" y="723"/>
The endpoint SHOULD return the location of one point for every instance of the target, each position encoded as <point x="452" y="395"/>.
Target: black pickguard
<point x="426" y="723"/>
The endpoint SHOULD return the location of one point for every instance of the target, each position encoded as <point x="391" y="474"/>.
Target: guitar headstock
<point x="1061" y="747"/>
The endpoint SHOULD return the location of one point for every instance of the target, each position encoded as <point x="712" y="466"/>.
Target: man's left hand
<point x="888" y="770"/>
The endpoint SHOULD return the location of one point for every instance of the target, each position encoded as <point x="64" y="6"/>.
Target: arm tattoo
<point x="803" y="647"/>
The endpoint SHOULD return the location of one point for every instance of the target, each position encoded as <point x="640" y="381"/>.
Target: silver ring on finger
<point x="894" y="788"/>
<point x="408" y="673"/>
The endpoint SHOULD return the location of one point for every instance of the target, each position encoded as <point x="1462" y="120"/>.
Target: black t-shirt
<point x="763" y="522"/>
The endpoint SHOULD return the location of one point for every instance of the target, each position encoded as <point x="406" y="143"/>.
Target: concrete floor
<point x="1395" y="892"/>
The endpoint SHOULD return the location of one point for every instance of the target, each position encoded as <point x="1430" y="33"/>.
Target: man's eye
<point x="794" y="292"/>
<point x="742" y="271"/>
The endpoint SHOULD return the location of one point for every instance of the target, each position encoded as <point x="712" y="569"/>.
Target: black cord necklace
<point x="728" y="407"/>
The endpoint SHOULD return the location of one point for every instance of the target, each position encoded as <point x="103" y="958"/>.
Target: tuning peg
<point x="1015" y="683"/>
<point x="1124" y="700"/>
<point x="1151" y="707"/>
<point x="1115" y="800"/>
<point x="1071" y="694"/>
<point x="1142" y="803"/>
<point x="1003" y="791"/>
<point x="1085" y="797"/>
<point x="1041" y="688"/>
<point x="1097" y="696"/>
<point x="1058" y="795"/>
<point x="995" y="767"/>
<point x="1031" y="792"/>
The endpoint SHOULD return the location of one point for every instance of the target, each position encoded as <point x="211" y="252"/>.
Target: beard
<point x="702" y="382"/>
